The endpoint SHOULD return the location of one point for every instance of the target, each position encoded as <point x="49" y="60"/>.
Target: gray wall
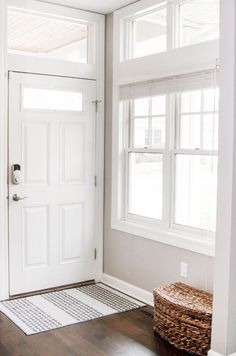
<point x="139" y="261"/>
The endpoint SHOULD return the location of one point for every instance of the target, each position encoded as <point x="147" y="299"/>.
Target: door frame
<point x="45" y="67"/>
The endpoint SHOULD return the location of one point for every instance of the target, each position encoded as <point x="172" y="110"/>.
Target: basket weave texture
<point x="183" y="317"/>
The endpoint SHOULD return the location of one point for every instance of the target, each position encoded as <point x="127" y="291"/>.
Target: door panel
<point x="52" y="137"/>
<point x="35" y="236"/>
<point x="72" y="232"/>
<point x="35" y="135"/>
<point x="72" y="140"/>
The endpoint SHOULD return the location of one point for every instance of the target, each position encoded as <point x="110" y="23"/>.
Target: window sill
<point x="169" y="237"/>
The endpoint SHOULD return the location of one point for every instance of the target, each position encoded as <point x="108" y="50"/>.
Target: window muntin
<point x="185" y="140"/>
<point x="198" y="21"/>
<point x="170" y="25"/>
<point x="147" y="129"/>
<point x="47" y="37"/>
<point x="198" y="119"/>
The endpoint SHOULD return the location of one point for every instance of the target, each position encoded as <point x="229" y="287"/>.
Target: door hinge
<point x="95" y="253"/>
<point x="95" y="181"/>
<point x="96" y="102"/>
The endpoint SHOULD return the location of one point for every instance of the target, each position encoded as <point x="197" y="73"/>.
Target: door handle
<point x="15" y="197"/>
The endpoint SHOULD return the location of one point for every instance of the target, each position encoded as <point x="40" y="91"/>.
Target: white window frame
<point x="196" y="240"/>
<point x="96" y="24"/>
<point x="196" y="58"/>
<point x="201" y="56"/>
<point x="167" y="224"/>
<point x="198" y="232"/>
<point x="173" y="30"/>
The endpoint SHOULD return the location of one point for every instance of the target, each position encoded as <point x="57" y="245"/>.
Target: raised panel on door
<point x="35" y="234"/>
<point x="72" y="232"/>
<point x="35" y="149"/>
<point x="72" y="145"/>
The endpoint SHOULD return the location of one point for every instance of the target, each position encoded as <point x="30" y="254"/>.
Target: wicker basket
<point x="183" y="316"/>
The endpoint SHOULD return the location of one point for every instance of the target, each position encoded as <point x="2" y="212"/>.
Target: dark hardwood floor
<point x="128" y="334"/>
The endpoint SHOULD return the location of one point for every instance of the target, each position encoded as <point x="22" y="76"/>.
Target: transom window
<point x="171" y="160"/>
<point x="42" y="36"/>
<point x="170" y="24"/>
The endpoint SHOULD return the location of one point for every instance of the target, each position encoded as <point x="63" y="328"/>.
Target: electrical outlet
<point x="184" y="269"/>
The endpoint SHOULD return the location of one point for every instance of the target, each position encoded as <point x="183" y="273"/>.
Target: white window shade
<point x="202" y="80"/>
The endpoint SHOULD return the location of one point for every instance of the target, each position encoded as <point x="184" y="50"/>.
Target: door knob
<point x="15" y="197"/>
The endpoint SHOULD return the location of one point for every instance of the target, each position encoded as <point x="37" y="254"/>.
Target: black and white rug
<point x="54" y="310"/>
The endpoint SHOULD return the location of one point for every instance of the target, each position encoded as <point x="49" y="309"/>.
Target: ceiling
<point x="101" y="6"/>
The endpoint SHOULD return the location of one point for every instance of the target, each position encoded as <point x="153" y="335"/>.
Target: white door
<point x="52" y="141"/>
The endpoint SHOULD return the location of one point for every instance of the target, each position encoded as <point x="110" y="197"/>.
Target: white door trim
<point x="3" y="157"/>
<point x="99" y="21"/>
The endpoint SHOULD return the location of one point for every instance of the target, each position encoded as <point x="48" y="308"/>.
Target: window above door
<point x="47" y="37"/>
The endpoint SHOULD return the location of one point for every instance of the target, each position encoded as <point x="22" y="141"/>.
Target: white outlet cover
<point x="184" y="269"/>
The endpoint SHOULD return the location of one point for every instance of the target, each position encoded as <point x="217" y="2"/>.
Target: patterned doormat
<point x="54" y="310"/>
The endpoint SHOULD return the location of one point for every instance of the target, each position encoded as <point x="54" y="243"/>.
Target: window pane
<point x="47" y="37"/>
<point x="191" y="101"/>
<point x="141" y="107"/>
<point x="44" y="99"/>
<point x="190" y="130"/>
<point x="199" y="21"/>
<point x="159" y="105"/>
<point x="211" y="99"/>
<point x="210" y="131"/>
<point x="196" y="191"/>
<point x="145" y="185"/>
<point x="141" y="136"/>
<point x="149" y="33"/>
<point x="199" y="128"/>
<point x="158" y="132"/>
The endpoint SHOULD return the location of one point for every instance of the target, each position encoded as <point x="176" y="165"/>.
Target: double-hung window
<point x="168" y="148"/>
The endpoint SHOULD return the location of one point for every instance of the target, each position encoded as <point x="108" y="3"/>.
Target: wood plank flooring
<point x="124" y="334"/>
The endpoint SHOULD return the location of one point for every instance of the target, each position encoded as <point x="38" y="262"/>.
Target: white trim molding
<point x="213" y="353"/>
<point x="190" y="59"/>
<point x="3" y="156"/>
<point x="127" y="288"/>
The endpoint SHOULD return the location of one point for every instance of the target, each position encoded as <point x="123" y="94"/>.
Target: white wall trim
<point x="127" y="288"/>
<point x="213" y="353"/>
<point x="3" y="157"/>
<point x="224" y="302"/>
<point x="100" y="144"/>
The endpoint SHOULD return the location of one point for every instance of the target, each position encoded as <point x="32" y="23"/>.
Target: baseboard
<point x="213" y="353"/>
<point x="128" y="288"/>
